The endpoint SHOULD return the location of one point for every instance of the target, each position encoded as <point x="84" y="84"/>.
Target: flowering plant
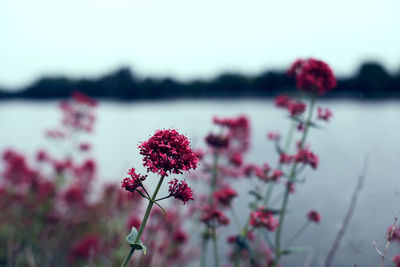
<point x="166" y="152"/>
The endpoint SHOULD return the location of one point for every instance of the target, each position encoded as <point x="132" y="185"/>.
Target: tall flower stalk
<point x="316" y="78"/>
<point x="313" y="78"/>
<point x="166" y="152"/>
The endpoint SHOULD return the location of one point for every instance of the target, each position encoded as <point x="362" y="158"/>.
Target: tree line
<point x="371" y="81"/>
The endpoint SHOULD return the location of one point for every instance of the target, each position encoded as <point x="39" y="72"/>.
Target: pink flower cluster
<point x="295" y="108"/>
<point x="167" y="151"/>
<point x="312" y="75"/>
<point x="264" y="172"/>
<point x="180" y="190"/>
<point x="212" y="216"/>
<point x="324" y="114"/>
<point x="306" y="156"/>
<point x="134" y="181"/>
<point x="85" y="248"/>
<point x="263" y="218"/>
<point x="238" y="132"/>
<point x="217" y="141"/>
<point x="78" y="113"/>
<point x="314" y="216"/>
<point x="396" y="260"/>
<point x="225" y="195"/>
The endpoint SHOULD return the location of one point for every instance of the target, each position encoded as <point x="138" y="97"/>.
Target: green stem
<point x="235" y="218"/>
<point x="268" y="193"/>
<point x="210" y="201"/>
<point x="145" y="218"/>
<point x="204" y="243"/>
<point x="214" y="177"/>
<point x="289" y="136"/>
<point x="288" y="142"/>
<point x="298" y="233"/>
<point x="215" y="247"/>
<point x="292" y="176"/>
<point x="237" y="256"/>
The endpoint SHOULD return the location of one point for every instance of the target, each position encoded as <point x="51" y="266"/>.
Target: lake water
<point x="357" y="129"/>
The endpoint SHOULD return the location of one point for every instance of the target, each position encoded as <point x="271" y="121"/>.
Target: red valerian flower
<point x="236" y="159"/>
<point x="85" y="248"/>
<point x="180" y="236"/>
<point x="225" y="195"/>
<point x="78" y="113"/>
<point x="282" y="101"/>
<point x="314" y="216"/>
<point x="263" y="218"/>
<point x="324" y="114"/>
<point x="42" y="156"/>
<point x="84" y="147"/>
<point x="396" y="260"/>
<point x="75" y="195"/>
<point x="168" y="151"/>
<point x="56" y="134"/>
<point x="274" y="136"/>
<point x="295" y="68"/>
<point x="276" y="175"/>
<point x="312" y="75"/>
<point x="180" y="190"/>
<point x="296" y="108"/>
<point x="217" y="141"/>
<point x="211" y="215"/>
<point x="285" y="158"/>
<point x="262" y="173"/>
<point x="306" y="156"/>
<point x="134" y="181"/>
<point x="238" y="132"/>
<point x="83" y="99"/>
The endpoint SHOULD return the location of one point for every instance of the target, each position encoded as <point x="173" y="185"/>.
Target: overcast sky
<point x="191" y="39"/>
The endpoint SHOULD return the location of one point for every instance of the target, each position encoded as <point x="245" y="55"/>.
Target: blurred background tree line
<point x="371" y="81"/>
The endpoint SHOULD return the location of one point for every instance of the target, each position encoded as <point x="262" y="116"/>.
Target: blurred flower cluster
<point x="55" y="212"/>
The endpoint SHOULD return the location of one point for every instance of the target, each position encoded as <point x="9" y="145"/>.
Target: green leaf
<point x="132" y="236"/>
<point x="163" y="210"/>
<point x="139" y="246"/>
<point x="131" y="240"/>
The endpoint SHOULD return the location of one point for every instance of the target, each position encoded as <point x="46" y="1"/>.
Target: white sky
<point x="191" y="39"/>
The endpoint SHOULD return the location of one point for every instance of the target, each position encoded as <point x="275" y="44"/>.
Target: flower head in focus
<point x="167" y="151"/>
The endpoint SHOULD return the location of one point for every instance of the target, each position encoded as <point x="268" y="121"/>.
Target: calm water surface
<point x="357" y="129"/>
